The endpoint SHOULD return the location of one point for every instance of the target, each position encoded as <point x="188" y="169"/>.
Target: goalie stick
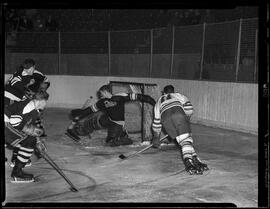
<point x="123" y="157"/>
<point x="55" y="166"/>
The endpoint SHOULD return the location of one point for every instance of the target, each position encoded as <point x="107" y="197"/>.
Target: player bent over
<point x="172" y="112"/>
<point x="113" y="117"/>
<point x="40" y="82"/>
<point x="15" y="88"/>
<point x="21" y="133"/>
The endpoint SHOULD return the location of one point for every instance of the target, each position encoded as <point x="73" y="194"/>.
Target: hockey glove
<point x="40" y="145"/>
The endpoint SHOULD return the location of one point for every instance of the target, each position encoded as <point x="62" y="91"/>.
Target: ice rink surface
<point x="153" y="176"/>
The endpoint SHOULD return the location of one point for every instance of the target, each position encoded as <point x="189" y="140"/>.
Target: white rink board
<point x="221" y="104"/>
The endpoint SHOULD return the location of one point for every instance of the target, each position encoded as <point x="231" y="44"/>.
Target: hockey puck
<point x="122" y="156"/>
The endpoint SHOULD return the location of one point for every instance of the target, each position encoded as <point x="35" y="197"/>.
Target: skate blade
<point x="72" y="137"/>
<point x="26" y="165"/>
<point x="21" y="181"/>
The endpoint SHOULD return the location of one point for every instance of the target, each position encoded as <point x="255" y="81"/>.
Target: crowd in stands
<point x="94" y="20"/>
<point x="90" y="20"/>
<point x="29" y="21"/>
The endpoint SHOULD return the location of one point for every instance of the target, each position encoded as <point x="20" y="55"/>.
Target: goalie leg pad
<point x="73" y="135"/>
<point x="95" y="121"/>
<point x="117" y="136"/>
<point x="79" y="113"/>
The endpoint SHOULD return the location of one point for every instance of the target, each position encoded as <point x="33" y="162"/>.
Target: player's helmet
<point x="28" y="63"/>
<point x="168" y="89"/>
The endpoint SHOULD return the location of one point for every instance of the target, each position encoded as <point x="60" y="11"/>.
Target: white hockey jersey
<point x="166" y="102"/>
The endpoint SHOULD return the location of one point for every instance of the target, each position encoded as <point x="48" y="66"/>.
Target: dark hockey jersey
<point x="16" y="85"/>
<point x="21" y="113"/>
<point x="115" y="106"/>
<point x="38" y="78"/>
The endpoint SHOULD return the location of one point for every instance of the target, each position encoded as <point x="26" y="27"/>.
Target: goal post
<point x="138" y="115"/>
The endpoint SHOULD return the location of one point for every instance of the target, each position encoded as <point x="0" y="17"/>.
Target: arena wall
<point x="221" y="104"/>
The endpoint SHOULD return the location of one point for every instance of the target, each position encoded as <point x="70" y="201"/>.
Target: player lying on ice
<point x="112" y="116"/>
<point x="172" y="112"/>
<point x="21" y="133"/>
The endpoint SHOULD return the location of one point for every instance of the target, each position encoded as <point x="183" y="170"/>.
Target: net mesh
<point x="138" y="115"/>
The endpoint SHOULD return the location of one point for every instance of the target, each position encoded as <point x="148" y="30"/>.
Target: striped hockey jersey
<point x="15" y="86"/>
<point x="166" y="102"/>
<point x="21" y="113"/>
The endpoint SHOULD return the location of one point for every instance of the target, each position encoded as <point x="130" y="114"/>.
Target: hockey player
<point x="17" y="84"/>
<point x="40" y="83"/>
<point x="112" y="118"/>
<point x="21" y="134"/>
<point x="172" y="112"/>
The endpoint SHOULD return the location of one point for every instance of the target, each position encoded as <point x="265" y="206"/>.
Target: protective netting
<point x="162" y="49"/>
<point x="84" y="43"/>
<point x="248" y="50"/>
<point x="187" y="52"/>
<point x="138" y="116"/>
<point x="28" y="42"/>
<point x="130" y="53"/>
<point x="220" y="51"/>
<point x="207" y="52"/>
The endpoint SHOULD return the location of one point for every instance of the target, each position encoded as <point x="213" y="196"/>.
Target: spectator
<point x="25" y="24"/>
<point x="39" y="24"/>
<point x="175" y="18"/>
<point x="51" y="25"/>
<point x="12" y="20"/>
<point x="196" y="17"/>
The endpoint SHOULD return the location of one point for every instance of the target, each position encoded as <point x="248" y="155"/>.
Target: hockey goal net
<point x="138" y="115"/>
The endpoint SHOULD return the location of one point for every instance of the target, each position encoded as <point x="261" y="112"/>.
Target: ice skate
<point x="119" y="142"/>
<point x="71" y="133"/>
<point x="18" y="176"/>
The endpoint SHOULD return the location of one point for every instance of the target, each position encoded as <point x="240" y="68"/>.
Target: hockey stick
<point x="55" y="166"/>
<point x="123" y="157"/>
